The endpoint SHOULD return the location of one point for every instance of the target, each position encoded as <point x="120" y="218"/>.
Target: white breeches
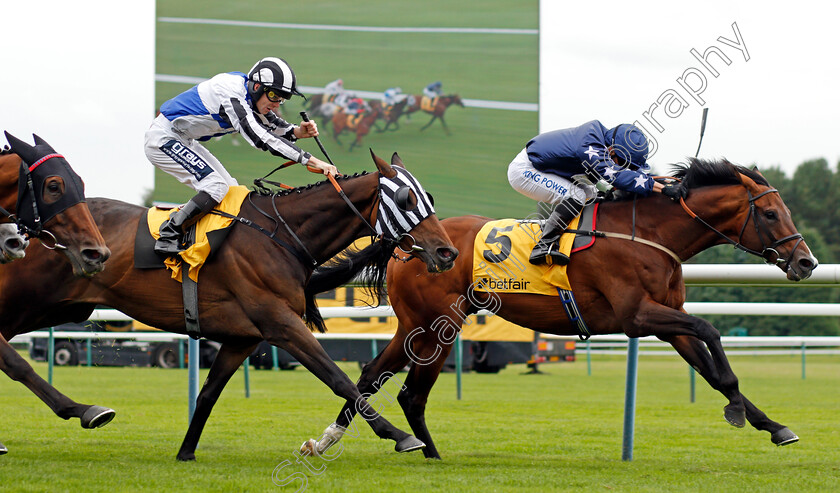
<point x="547" y="187"/>
<point x="187" y="160"/>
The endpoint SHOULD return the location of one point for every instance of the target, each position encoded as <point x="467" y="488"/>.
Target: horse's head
<point x="48" y="199"/>
<point x="406" y="214"/>
<point x="455" y="99"/>
<point x="748" y="213"/>
<point x="775" y="235"/>
<point x="12" y="244"/>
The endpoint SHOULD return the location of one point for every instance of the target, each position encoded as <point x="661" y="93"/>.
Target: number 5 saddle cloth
<point x="501" y="250"/>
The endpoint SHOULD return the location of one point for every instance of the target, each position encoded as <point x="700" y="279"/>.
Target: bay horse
<point x="252" y="289"/>
<point x="443" y="102"/>
<point x="620" y="286"/>
<point x="44" y="197"/>
<point x="42" y="194"/>
<point x="340" y="123"/>
<point x="391" y="114"/>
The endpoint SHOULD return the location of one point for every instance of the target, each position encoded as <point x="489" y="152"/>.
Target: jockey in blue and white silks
<point x="227" y="103"/>
<point x="561" y="168"/>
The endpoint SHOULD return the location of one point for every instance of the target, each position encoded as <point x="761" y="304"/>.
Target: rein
<point x="303" y="253"/>
<point x="768" y="253"/>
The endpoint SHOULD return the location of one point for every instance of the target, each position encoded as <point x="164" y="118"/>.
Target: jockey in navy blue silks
<point x="561" y="167"/>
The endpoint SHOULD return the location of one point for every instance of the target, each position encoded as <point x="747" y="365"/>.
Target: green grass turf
<point x="466" y="172"/>
<point x="560" y="431"/>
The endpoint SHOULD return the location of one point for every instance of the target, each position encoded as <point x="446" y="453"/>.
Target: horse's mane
<point x="698" y="173"/>
<point x="263" y="190"/>
<point x="367" y="265"/>
<point x="701" y="173"/>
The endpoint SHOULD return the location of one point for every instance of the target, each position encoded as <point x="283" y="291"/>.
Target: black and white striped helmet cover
<point x="392" y="221"/>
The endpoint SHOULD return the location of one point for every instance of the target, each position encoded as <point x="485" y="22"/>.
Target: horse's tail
<point x="367" y="266"/>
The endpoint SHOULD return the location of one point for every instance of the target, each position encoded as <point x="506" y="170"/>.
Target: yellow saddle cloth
<point x="428" y="104"/>
<point x="353" y="120"/>
<point x="500" y="259"/>
<point x="198" y="252"/>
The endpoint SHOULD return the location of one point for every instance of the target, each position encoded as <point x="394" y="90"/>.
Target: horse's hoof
<point x="409" y="444"/>
<point x="784" y="437"/>
<point x="737" y="418"/>
<point x="97" y="417"/>
<point x="186" y="457"/>
<point x="3" y="449"/>
<point x="309" y="448"/>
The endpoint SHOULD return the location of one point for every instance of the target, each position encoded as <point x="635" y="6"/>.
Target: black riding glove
<point x="675" y="192"/>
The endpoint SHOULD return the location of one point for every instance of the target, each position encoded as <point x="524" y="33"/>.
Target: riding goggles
<point x="274" y="96"/>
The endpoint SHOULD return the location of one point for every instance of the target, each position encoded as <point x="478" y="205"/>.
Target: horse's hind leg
<point x="228" y="360"/>
<point x="13" y="365"/>
<point x="374" y="375"/>
<point x="296" y="339"/>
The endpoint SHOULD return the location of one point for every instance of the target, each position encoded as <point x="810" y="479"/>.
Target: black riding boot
<point x="545" y="251"/>
<point x="172" y="230"/>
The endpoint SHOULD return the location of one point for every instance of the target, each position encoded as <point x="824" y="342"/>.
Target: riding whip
<point x="702" y="131"/>
<point x="306" y="119"/>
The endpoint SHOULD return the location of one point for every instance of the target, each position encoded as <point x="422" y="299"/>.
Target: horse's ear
<point x="396" y="161"/>
<point x="383" y="167"/>
<point x="21" y="148"/>
<point x="41" y="142"/>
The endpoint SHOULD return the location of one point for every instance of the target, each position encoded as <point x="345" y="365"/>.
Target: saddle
<point x="354" y="120"/>
<point x="500" y="260"/>
<point x="204" y="238"/>
<point x="428" y="104"/>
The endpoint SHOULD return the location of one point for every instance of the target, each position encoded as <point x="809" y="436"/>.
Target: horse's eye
<point x="53" y="187"/>
<point x="404" y="199"/>
<point x="771" y="215"/>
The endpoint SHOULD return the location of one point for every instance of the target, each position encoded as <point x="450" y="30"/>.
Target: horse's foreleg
<point x="227" y="361"/>
<point x="3" y="449"/>
<point x="374" y="375"/>
<point x="445" y="128"/>
<point x="13" y="365"/>
<point x="779" y="433"/>
<point x="428" y="354"/>
<point x="424" y="127"/>
<point x="667" y="324"/>
<point x="414" y="396"/>
<point x="299" y="342"/>
<point x="356" y="142"/>
<point x="695" y="353"/>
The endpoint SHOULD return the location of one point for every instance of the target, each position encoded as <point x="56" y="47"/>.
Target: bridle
<point x="415" y="248"/>
<point x="37" y="230"/>
<point x="396" y="241"/>
<point x="768" y="248"/>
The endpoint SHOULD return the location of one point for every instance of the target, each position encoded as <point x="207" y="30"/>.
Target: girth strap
<point x="622" y="236"/>
<point x="570" y="306"/>
<point x="190" y="291"/>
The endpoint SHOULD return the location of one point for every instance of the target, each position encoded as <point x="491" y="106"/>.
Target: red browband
<point x="38" y="162"/>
